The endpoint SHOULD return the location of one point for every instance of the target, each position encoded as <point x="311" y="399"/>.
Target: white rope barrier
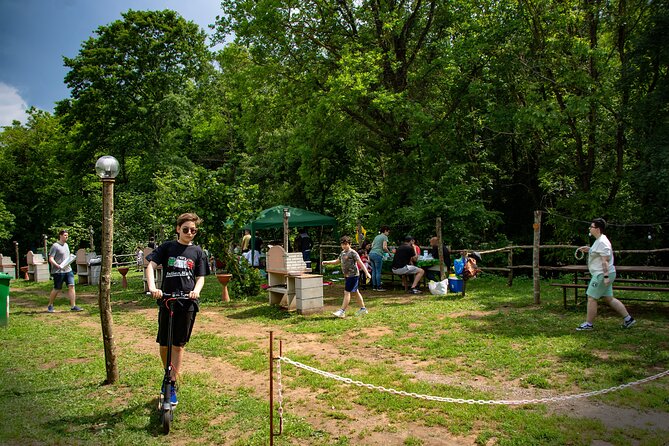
<point x="462" y="400"/>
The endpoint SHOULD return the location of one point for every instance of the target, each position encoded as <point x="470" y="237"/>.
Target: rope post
<point x="271" y="388"/>
<point x="535" y="257"/>
<point x="272" y="434"/>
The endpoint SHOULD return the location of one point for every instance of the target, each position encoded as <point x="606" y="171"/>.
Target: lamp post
<point x="107" y="168"/>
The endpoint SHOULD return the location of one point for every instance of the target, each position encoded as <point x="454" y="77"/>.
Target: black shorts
<point x="182" y="323"/>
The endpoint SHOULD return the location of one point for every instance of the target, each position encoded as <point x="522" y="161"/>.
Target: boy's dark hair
<point x="599" y="223"/>
<point x="188" y="216"/>
<point x="345" y="239"/>
<point x="63" y="231"/>
<point x="384" y="228"/>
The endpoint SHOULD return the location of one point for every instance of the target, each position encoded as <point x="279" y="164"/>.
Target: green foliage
<point x="246" y="280"/>
<point x="6" y="222"/>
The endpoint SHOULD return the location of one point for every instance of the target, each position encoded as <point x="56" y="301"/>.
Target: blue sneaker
<point x="50" y="309"/>
<point x="173" y="396"/>
<point x="76" y="308"/>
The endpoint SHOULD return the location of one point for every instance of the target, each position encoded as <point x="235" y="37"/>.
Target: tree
<point x="374" y="83"/>
<point x="132" y="88"/>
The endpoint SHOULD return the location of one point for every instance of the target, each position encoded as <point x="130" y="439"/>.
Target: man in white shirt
<point x="602" y="273"/>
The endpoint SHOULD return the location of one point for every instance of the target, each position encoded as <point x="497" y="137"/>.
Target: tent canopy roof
<point x="273" y="218"/>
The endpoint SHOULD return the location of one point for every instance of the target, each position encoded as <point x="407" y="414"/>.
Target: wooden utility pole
<point x="535" y="257"/>
<point x="441" y="249"/>
<point x="105" y="279"/>
<point x="18" y="267"/>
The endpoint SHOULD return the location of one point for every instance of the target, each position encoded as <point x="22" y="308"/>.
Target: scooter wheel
<point x="166" y="420"/>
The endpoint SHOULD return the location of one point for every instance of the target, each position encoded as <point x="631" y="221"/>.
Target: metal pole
<point x="105" y="279"/>
<point x="535" y="256"/>
<point x="46" y="253"/>
<point x="271" y="388"/>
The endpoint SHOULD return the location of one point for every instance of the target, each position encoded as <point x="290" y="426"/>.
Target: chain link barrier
<point x="458" y="400"/>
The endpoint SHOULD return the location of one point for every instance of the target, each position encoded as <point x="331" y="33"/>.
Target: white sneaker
<point x="339" y="313"/>
<point x="361" y="312"/>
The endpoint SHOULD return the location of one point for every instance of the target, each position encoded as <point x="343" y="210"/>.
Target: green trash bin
<point x="4" y="298"/>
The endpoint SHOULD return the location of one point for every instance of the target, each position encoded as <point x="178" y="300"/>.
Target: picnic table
<point x="642" y="278"/>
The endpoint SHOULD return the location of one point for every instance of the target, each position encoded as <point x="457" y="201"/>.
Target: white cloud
<point x="12" y="105"/>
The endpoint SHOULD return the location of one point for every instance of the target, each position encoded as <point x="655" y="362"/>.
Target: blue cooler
<point x="456" y="285"/>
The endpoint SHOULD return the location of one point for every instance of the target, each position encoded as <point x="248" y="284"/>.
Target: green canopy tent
<point x="273" y="218"/>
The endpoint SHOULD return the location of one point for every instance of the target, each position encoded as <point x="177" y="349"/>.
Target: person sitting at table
<point x="402" y="263"/>
<point x="602" y="273"/>
<point x="434" y="250"/>
<point x="416" y="246"/>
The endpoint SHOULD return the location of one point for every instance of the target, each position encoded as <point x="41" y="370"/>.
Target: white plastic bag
<point x="438" y="288"/>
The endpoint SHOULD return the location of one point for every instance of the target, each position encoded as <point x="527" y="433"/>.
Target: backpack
<point x="471" y="270"/>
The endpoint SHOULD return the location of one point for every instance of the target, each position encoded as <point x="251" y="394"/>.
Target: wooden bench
<point x="650" y="289"/>
<point x="7" y="266"/>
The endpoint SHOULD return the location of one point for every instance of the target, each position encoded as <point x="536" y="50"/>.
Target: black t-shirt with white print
<point x="182" y="265"/>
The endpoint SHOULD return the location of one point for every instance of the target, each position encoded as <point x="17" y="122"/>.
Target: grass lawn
<point x="492" y="344"/>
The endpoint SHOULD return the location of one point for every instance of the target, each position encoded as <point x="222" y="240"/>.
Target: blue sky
<point x="36" y="34"/>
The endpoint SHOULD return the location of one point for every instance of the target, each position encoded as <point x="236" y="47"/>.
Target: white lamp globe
<point x="107" y="167"/>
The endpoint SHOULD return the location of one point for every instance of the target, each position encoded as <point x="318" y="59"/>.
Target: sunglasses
<point x="187" y="230"/>
<point x="593" y="227"/>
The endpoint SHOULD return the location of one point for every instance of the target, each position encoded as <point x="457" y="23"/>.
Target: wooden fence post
<point x="441" y="250"/>
<point x="510" y="265"/>
<point x="535" y="257"/>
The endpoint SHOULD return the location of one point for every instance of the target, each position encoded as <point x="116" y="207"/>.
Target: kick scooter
<point x="164" y="405"/>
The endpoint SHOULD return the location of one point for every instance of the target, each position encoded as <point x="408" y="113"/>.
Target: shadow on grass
<point x="108" y="420"/>
<point x="266" y="311"/>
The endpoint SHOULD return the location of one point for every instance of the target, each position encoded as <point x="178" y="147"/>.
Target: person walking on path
<point x="603" y="274"/>
<point x="60" y="260"/>
<point x="185" y="267"/>
<point x="351" y="265"/>
<point x="379" y="248"/>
